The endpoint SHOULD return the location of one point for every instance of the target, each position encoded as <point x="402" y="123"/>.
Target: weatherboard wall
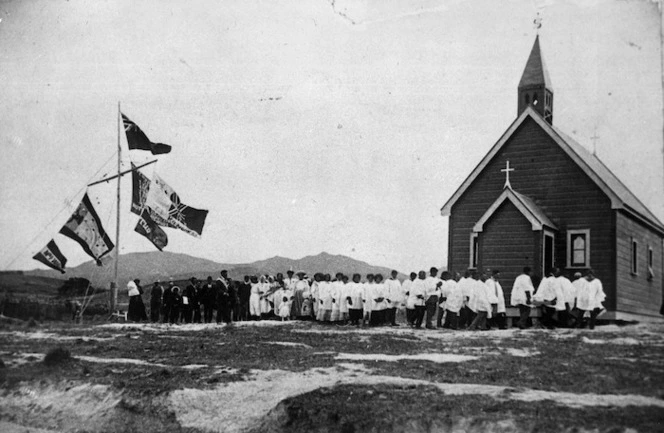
<point x="637" y="293"/>
<point x="548" y="176"/>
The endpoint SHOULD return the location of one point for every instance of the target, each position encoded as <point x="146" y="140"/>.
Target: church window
<point x="635" y="257"/>
<point x="527" y="99"/>
<point x="651" y="261"/>
<point x="535" y="99"/>
<point x="474" y="250"/>
<point x="578" y="248"/>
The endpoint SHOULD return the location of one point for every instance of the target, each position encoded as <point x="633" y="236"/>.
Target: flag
<point x="85" y="228"/>
<point x="136" y="139"/>
<point x="148" y="228"/>
<point x="141" y="185"/>
<point x="166" y="209"/>
<point x="51" y="256"/>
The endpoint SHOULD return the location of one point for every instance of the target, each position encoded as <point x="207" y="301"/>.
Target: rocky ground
<point x="308" y="377"/>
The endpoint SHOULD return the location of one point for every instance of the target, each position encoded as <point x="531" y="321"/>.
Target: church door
<point x="547" y="253"/>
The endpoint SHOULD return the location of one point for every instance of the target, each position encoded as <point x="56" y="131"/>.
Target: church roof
<point x="621" y="197"/>
<point x="535" y="73"/>
<point x="525" y="205"/>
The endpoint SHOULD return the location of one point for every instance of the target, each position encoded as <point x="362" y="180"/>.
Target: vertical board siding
<point x="545" y="173"/>
<point x="635" y="293"/>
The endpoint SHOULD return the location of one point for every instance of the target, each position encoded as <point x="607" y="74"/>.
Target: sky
<point x="337" y="126"/>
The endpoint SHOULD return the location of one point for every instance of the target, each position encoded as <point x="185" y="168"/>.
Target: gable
<point x="528" y="209"/>
<point x="619" y="196"/>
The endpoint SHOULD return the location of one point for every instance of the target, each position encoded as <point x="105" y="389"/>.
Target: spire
<point x="535" y="86"/>
<point x="535" y="73"/>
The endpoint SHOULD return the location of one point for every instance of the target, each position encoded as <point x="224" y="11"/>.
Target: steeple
<point x="535" y="85"/>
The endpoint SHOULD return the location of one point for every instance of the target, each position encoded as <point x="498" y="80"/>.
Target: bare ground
<point x="307" y="377"/>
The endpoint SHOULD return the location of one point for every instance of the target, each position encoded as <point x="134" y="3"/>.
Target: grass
<point x="561" y="364"/>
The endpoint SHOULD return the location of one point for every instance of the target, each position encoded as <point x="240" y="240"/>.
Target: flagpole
<point x="114" y="285"/>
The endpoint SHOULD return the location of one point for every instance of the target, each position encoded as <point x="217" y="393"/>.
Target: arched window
<point x="527" y="99"/>
<point x="535" y="99"/>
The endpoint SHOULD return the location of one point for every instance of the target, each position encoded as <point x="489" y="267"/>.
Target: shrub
<point x="57" y="356"/>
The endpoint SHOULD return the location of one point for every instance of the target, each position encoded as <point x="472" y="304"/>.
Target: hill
<point x="155" y="265"/>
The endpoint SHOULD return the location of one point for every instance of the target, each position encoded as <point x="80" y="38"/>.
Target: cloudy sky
<point x="305" y="126"/>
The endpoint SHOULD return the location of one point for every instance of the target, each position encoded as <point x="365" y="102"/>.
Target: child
<point x="285" y="307"/>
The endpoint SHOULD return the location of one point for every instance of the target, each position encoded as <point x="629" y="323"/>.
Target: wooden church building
<point x="540" y="199"/>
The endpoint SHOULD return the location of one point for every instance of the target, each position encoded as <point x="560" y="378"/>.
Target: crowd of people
<point x="474" y="301"/>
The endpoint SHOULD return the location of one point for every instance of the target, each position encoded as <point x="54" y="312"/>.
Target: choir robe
<point x="356" y="293"/>
<point x="335" y="293"/>
<point x="481" y="297"/>
<point x="368" y="293"/>
<point x="343" y="300"/>
<point x="315" y="296"/>
<point x="325" y="302"/>
<point x="548" y="290"/>
<point x="522" y="284"/>
<point x="496" y="295"/>
<point x="378" y="290"/>
<point x="454" y="296"/>
<point x="254" y="300"/>
<point x="568" y="289"/>
<point x="591" y="295"/>
<point x="405" y="287"/>
<point x="579" y="288"/>
<point x="418" y="288"/>
<point x="466" y="287"/>
<point x="395" y="294"/>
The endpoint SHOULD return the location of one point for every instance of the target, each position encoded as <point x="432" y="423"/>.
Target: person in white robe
<point x="301" y="286"/>
<point x="590" y="298"/>
<point x="378" y="301"/>
<point x="432" y="294"/>
<point x="315" y="294"/>
<point x="355" y="291"/>
<point x="335" y="293"/>
<point x="255" y="299"/>
<point x="394" y="298"/>
<point x="467" y="314"/>
<point x="368" y="293"/>
<point x="481" y="304"/>
<point x="344" y="296"/>
<point x="325" y="302"/>
<point x="521" y="297"/>
<point x="497" y="301"/>
<point x="453" y="295"/>
<point x="266" y="303"/>
<point x="565" y="316"/>
<point x="417" y="298"/>
<point x="550" y="297"/>
<point x="410" y="306"/>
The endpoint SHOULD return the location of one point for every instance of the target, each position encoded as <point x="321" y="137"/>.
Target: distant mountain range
<point x="155" y="265"/>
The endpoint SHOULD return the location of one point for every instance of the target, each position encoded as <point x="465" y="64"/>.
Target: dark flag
<point x="51" y="256"/>
<point x="141" y="185"/>
<point x="136" y="139"/>
<point x="167" y="210"/>
<point x="85" y="228"/>
<point x="148" y="228"/>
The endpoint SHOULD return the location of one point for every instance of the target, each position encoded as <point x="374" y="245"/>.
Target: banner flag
<point x="51" y="256"/>
<point x="167" y="210"/>
<point x="141" y="185"/>
<point x="148" y="228"/>
<point x="136" y="139"/>
<point x="85" y="228"/>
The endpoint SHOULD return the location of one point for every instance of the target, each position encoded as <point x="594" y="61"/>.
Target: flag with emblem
<point x="136" y="139"/>
<point x="84" y="226"/>
<point x="51" y="256"/>
<point x="166" y="209"/>
<point x="148" y="228"/>
<point x="141" y="185"/>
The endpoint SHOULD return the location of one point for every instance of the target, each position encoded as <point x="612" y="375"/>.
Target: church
<point x="540" y="199"/>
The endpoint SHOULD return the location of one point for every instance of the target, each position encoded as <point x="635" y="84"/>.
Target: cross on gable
<point x="594" y="138"/>
<point x="507" y="170"/>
